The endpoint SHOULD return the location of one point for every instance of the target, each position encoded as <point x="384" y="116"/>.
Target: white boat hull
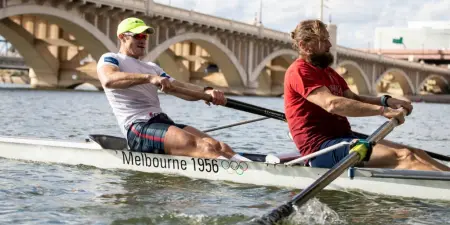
<point x="417" y="184"/>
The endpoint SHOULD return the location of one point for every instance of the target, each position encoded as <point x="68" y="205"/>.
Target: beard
<point x="322" y="60"/>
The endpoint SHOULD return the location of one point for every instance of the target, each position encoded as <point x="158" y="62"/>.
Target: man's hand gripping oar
<point x="360" y="151"/>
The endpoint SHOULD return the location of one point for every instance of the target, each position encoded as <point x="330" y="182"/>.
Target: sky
<point x="356" y="20"/>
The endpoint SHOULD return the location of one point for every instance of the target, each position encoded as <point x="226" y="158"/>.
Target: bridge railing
<point x="133" y="4"/>
<point x="201" y="18"/>
<point x="189" y="15"/>
<point x="277" y="35"/>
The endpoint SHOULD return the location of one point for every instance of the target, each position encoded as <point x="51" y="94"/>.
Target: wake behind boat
<point x="110" y="152"/>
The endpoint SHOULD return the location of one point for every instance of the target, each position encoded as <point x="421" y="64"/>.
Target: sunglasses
<point x="141" y="36"/>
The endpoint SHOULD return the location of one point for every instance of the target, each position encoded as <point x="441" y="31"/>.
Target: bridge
<point x="60" y="41"/>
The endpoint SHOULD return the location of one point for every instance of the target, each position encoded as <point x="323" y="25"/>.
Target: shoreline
<point x="440" y="99"/>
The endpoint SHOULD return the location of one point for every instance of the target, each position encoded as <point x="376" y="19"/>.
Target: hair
<point x="306" y="31"/>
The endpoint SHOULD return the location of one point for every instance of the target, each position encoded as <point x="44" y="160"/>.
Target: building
<point x="420" y="41"/>
<point x="418" y="35"/>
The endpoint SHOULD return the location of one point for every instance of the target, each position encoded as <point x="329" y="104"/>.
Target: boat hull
<point x="417" y="184"/>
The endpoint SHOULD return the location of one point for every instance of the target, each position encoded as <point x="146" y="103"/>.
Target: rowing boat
<point x="109" y="152"/>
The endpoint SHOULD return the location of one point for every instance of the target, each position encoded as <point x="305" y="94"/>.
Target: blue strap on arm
<point x="384" y="99"/>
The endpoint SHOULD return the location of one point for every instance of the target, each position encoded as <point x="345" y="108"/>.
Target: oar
<point x="234" y="104"/>
<point x="231" y="103"/>
<point x="242" y="106"/>
<point x="235" y="124"/>
<point x="354" y="157"/>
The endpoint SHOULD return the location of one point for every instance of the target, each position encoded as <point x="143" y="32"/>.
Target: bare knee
<point x="215" y="144"/>
<point x="206" y="147"/>
<point x="218" y="145"/>
<point x="405" y="154"/>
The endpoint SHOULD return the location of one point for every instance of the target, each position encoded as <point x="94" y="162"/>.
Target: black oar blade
<point x="275" y="215"/>
<point x="304" y="196"/>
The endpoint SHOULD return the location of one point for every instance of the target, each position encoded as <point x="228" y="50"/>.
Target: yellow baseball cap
<point x="133" y="25"/>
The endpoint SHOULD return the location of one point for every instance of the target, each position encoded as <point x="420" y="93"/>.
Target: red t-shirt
<point x="309" y="124"/>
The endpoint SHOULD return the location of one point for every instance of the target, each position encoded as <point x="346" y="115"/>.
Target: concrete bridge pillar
<point x="332" y="30"/>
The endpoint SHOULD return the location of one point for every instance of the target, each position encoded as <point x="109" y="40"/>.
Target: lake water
<point x="37" y="193"/>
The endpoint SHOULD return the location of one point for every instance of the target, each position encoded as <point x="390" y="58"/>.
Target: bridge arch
<point x="401" y="77"/>
<point x="174" y="67"/>
<point x="440" y="85"/>
<point x="85" y="86"/>
<point x="283" y="52"/>
<point x="232" y="70"/>
<point x="90" y="37"/>
<point x="361" y="81"/>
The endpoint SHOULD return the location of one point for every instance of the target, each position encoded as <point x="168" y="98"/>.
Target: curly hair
<point x="307" y="31"/>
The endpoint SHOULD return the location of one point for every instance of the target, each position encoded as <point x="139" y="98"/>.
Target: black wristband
<point x="384" y="100"/>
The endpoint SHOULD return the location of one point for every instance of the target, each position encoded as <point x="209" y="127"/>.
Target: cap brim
<point x="142" y="29"/>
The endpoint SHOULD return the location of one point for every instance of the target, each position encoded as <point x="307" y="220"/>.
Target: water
<point x="38" y="193"/>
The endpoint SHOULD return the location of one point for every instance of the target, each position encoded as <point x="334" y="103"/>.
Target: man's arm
<point x="187" y="86"/>
<point x="367" y="99"/>
<point x="342" y="106"/>
<point x="391" y="102"/>
<point x="218" y="97"/>
<point x="111" y="77"/>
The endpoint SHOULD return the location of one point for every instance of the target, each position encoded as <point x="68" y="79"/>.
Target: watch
<point x="384" y="100"/>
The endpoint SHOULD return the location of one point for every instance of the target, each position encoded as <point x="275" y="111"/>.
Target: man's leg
<point x="219" y="146"/>
<point x="390" y="155"/>
<point x="165" y="138"/>
<point x="421" y="154"/>
<point x="181" y="142"/>
<point x="394" y="155"/>
<point x="331" y="158"/>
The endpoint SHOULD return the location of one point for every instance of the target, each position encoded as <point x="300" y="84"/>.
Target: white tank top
<point x="136" y="103"/>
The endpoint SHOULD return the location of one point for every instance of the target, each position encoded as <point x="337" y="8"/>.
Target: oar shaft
<point x="234" y="104"/>
<point x="235" y="124"/>
<point x="231" y="103"/>
<point x="325" y="179"/>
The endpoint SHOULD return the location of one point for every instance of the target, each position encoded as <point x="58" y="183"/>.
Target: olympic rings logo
<point x="234" y="167"/>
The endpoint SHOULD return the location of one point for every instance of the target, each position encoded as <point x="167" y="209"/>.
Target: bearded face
<point x="322" y="60"/>
<point x="317" y="51"/>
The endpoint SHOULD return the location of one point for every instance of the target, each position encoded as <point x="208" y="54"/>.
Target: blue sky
<point x="356" y="19"/>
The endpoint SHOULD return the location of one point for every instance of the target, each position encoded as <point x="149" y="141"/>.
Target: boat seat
<point x="109" y="142"/>
<point x="283" y="158"/>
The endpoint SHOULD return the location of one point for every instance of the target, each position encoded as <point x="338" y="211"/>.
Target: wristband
<point x="384" y="100"/>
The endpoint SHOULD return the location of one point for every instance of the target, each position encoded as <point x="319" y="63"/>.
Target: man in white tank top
<point x="131" y="87"/>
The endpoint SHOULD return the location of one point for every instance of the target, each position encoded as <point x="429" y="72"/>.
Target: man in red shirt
<point x="317" y="101"/>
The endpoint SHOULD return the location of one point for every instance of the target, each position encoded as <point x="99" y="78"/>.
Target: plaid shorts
<point x="149" y="136"/>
